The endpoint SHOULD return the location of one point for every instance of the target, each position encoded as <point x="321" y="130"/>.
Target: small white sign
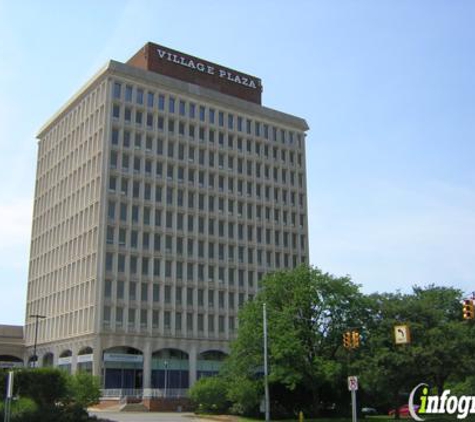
<point x="352" y="383"/>
<point x="122" y="357"/>
<point x="401" y="334"/>
<point x="85" y="358"/>
<point x="67" y="360"/>
<point x="8" y="365"/>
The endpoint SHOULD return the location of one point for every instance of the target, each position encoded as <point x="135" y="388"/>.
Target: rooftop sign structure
<point x="163" y="60"/>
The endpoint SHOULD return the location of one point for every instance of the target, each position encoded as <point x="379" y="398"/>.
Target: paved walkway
<point x="147" y="416"/>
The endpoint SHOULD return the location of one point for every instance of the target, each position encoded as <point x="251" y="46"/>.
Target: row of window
<point x="137" y="140"/>
<point x="193" y="200"/>
<point x="170" y="295"/>
<point x="144" y="319"/>
<point x="122" y="263"/>
<point x="127" y="163"/>
<point x="173" y="105"/>
<point x="171" y="243"/>
<point x="191" y="223"/>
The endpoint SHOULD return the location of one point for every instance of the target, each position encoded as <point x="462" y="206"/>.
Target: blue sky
<point x="387" y="88"/>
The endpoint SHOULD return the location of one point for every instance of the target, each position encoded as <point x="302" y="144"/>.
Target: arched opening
<point x="65" y="360"/>
<point x="209" y="363"/>
<point x="84" y="359"/>
<point x="170" y="371"/>
<point x="48" y="360"/>
<point x="10" y="361"/>
<point x="123" y="368"/>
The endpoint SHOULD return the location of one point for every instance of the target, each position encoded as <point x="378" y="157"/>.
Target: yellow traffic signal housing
<point x="355" y="339"/>
<point x="468" y="309"/>
<point x="347" y="340"/>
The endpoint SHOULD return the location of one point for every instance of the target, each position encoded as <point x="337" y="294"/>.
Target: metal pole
<point x="8" y="401"/>
<point x="266" y="373"/>
<point x="37" y="317"/>
<point x="353" y="406"/>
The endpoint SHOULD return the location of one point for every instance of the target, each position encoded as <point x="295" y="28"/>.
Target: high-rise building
<point x="164" y="192"/>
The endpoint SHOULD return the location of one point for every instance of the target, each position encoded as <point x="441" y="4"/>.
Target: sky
<point x="386" y="86"/>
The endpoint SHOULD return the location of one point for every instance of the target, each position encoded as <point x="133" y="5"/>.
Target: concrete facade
<point x="159" y="205"/>
<point x="12" y="346"/>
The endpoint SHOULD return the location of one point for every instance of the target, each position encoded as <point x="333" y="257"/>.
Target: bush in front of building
<point x="85" y="389"/>
<point x="209" y="395"/>
<point x="23" y="409"/>
<point x="48" y="394"/>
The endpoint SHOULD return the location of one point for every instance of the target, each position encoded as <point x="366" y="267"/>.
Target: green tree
<point x="308" y="311"/>
<point x="440" y="347"/>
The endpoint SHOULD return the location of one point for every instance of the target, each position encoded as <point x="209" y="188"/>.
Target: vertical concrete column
<point x="192" y="361"/>
<point x="97" y="359"/>
<point x="147" y="369"/>
<point x="74" y="359"/>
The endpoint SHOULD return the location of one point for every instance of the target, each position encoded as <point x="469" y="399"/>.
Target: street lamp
<point x="266" y="373"/>
<point x="37" y="317"/>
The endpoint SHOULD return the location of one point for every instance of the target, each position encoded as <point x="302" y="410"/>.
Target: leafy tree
<point x="386" y="370"/>
<point x="440" y="345"/>
<point x="308" y="311"/>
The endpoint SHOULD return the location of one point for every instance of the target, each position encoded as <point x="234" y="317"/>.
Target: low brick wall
<point x="168" y="405"/>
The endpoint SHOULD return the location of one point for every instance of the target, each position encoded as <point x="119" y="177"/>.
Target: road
<point x="146" y="417"/>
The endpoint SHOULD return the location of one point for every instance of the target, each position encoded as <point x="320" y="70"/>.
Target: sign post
<point x="353" y="386"/>
<point x="8" y="401"/>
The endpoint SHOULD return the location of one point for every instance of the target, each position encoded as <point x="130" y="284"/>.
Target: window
<point x="117" y="89"/>
<point x="150" y="99"/>
<point x="155" y="319"/>
<point x="161" y="102"/>
<point x="115" y="137"/>
<point x="139" y="96"/>
<point x="108" y="288"/>
<point x="111" y="210"/>
<point x="132" y="290"/>
<point x="144" y="292"/>
<point x="119" y="317"/>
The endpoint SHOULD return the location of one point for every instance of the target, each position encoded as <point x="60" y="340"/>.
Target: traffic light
<point x="468" y="309"/>
<point x="355" y="339"/>
<point x="347" y="340"/>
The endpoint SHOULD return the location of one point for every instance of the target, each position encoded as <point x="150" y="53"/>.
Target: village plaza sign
<point x="206" y="68"/>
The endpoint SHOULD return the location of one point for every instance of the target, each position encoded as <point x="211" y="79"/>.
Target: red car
<point x="403" y="411"/>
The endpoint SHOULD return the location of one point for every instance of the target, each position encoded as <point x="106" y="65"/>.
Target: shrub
<point x="45" y="386"/>
<point x="246" y="395"/>
<point x="85" y="389"/>
<point x="23" y="409"/>
<point x="209" y="395"/>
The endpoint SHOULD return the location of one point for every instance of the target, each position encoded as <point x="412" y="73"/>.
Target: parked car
<point x="403" y="411"/>
<point x="369" y="411"/>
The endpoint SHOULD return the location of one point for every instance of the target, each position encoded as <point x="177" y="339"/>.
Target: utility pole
<point x="266" y="372"/>
<point x="37" y="317"/>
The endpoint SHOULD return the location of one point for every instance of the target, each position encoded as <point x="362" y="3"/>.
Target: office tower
<point x="164" y="192"/>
